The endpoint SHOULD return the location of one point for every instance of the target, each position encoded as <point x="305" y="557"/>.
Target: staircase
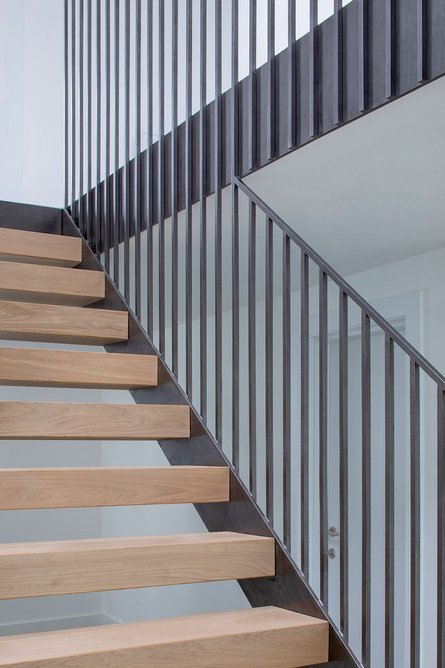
<point x="43" y="297"/>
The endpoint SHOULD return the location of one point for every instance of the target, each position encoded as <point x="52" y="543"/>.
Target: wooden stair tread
<point x="68" y="567"/>
<point x="85" y="421"/>
<point x="66" y="368"/>
<point x="61" y="324"/>
<point x="39" y="248"/>
<point x="105" y="486"/>
<point x="51" y="285"/>
<point x="266" y="637"/>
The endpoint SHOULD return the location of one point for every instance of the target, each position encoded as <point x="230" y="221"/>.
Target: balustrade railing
<point x="323" y="407"/>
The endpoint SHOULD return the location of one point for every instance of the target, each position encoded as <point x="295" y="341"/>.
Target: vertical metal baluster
<point x="66" y="102"/>
<point x="338" y="62"/>
<point x="304" y="414"/>
<point x="73" y="113"/>
<point x="108" y="190"/>
<point x="314" y="111"/>
<point x="161" y="168"/>
<point x="98" y="235"/>
<point x="203" y="209"/>
<point x="116" y="178"/>
<point x="252" y="108"/>
<point x="218" y="226"/>
<point x="391" y="51"/>
<point x="149" y="169"/>
<point x="81" y="114"/>
<point x="366" y="487"/>
<point x="344" y="463"/>
<point x="363" y="55"/>
<point x="271" y="115"/>
<point x="415" y="513"/>
<point x="287" y="398"/>
<point x="252" y="350"/>
<point x="127" y="188"/>
<point x="188" y="201"/>
<point x="323" y="437"/>
<point x="389" y="502"/>
<point x="137" y="164"/>
<point x="440" y="585"/>
<point x="235" y="241"/>
<point x="292" y="75"/>
<point x="268" y="367"/>
<point x="174" y="186"/>
<point x="422" y="40"/>
<point x="89" y="200"/>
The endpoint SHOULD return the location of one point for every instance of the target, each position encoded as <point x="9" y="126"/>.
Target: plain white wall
<point x="31" y="101"/>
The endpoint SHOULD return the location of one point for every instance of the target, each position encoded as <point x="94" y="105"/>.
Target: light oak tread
<point x="61" y="324"/>
<point x="111" y="486"/>
<point x="66" y="368"/>
<point x="87" y="421"/>
<point x="50" y="285"/>
<point x="69" y="567"/>
<point x="266" y="637"/>
<point x="39" y="248"/>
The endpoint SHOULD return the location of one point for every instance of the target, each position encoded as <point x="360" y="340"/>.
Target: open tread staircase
<point x="42" y="299"/>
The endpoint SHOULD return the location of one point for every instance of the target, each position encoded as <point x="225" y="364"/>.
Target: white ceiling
<point x="369" y="193"/>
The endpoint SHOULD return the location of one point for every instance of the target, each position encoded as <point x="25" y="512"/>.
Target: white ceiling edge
<point x="369" y="193"/>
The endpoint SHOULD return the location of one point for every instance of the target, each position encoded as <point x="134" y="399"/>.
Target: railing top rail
<point x="400" y="340"/>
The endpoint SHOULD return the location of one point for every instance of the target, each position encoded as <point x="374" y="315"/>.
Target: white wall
<point x="31" y="101"/>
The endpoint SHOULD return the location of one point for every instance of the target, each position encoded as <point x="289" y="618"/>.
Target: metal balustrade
<point x="260" y="332"/>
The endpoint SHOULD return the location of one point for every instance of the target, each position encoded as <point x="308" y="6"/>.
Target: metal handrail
<point x="386" y="326"/>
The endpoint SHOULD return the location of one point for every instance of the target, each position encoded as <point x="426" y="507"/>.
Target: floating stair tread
<point x="70" y="567"/>
<point x="81" y="421"/>
<point x="40" y="248"/>
<point x="266" y="637"/>
<point x="66" y="368"/>
<point x="61" y="324"/>
<point x="103" y="486"/>
<point x="50" y="285"/>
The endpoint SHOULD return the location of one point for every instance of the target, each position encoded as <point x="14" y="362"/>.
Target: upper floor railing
<point x="331" y="418"/>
